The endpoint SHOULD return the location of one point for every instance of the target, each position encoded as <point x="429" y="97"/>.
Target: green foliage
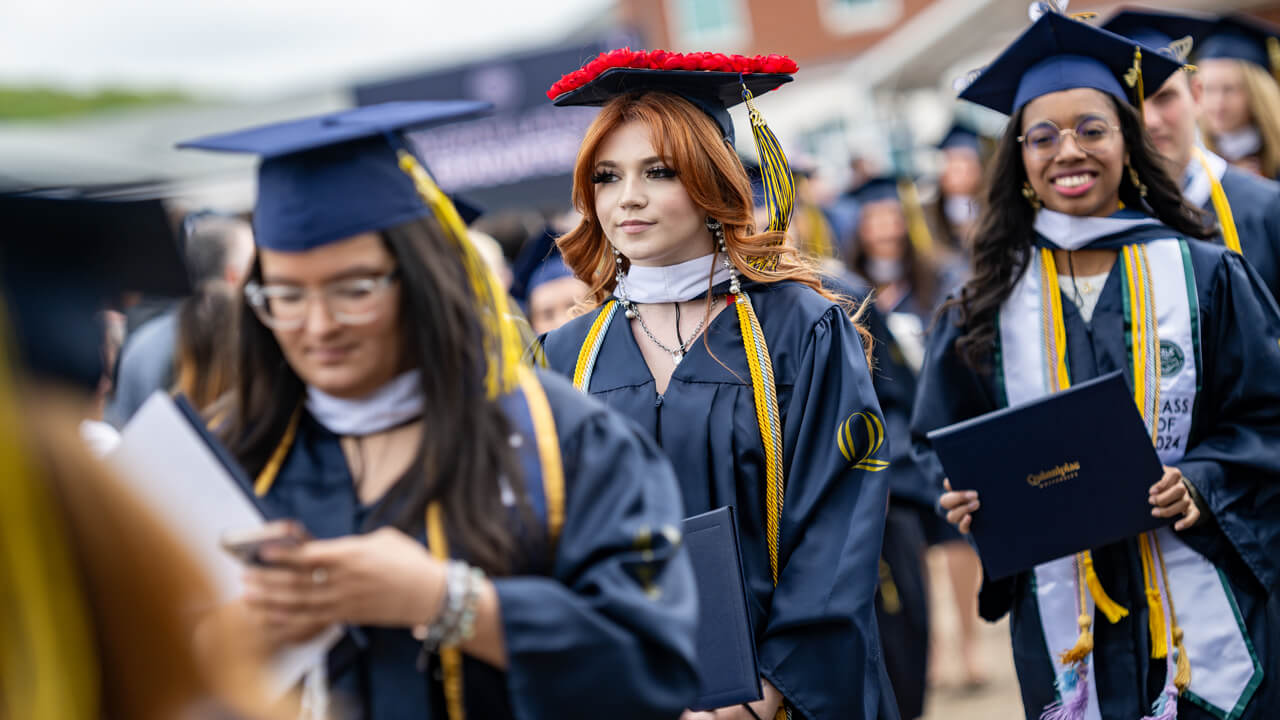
<point x="39" y="103"/>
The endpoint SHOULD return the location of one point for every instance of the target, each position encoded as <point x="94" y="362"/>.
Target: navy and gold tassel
<point x="775" y="171"/>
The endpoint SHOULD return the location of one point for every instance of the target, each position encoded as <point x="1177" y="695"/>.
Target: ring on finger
<point x="319" y="576"/>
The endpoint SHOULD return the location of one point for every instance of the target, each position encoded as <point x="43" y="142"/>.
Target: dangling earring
<point x="619" y="287"/>
<point x="1137" y="181"/>
<point x="1029" y="193"/>
<point x="717" y="232"/>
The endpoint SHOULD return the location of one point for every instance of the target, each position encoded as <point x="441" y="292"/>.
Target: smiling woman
<point x="1087" y="259"/>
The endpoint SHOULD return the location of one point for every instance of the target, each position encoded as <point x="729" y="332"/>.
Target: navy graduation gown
<point x="1232" y="459"/>
<point x="602" y="630"/>
<point x="816" y="634"/>
<point x="1255" y="207"/>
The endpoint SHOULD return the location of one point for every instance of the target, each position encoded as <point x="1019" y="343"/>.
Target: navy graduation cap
<point x="1240" y="37"/>
<point x="325" y="178"/>
<point x="1171" y="34"/>
<point x="959" y="136"/>
<point x="877" y="189"/>
<point x="328" y="177"/>
<point x="1061" y="53"/>
<point x="64" y="257"/>
<point x="712" y="82"/>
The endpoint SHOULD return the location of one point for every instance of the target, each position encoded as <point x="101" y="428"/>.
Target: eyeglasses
<point x="350" y="302"/>
<point x="1092" y="135"/>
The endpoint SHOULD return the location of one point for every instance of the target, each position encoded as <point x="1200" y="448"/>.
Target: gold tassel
<point x="1181" y="678"/>
<point x="1084" y="643"/>
<point x="502" y="340"/>
<point x="917" y="225"/>
<point x="1101" y="599"/>
<point x="1155" y="609"/>
<point x="1134" y="79"/>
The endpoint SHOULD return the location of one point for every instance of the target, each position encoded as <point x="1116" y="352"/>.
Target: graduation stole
<point x="1191" y="614"/>
<point x="1222" y="208"/>
<point x="543" y="471"/>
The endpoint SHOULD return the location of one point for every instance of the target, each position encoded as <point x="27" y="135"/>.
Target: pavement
<point x="948" y="697"/>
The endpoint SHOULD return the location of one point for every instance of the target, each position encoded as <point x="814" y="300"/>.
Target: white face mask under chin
<point x="884" y="272"/>
<point x="960" y="209"/>
<point x="1239" y="144"/>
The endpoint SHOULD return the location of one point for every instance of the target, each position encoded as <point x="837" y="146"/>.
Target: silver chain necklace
<point x="677" y="353"/>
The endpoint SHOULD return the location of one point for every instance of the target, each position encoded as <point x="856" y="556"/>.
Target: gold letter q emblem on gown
<point x="859" y="438"/>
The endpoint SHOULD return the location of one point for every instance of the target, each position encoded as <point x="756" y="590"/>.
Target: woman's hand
<point x="959" y="506"/>
<point x="384" y="578"/>
<point x="1171" y="498"/>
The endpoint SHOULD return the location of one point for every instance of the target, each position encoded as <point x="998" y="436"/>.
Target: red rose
<point x="740" y="63"/>
<point x="657" y="58"/>
<point x="720" y="62"/>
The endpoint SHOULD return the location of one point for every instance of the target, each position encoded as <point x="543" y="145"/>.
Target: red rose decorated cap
<point x="713" y="82"/>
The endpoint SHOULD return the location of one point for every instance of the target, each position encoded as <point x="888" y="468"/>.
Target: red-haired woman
<point x="718" y="340"/>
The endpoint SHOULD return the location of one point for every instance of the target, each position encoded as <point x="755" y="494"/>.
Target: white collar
<point x="395" y="403"/>
<point x="1239" y="143"/>
<point x="1071" y="232"/>
<point x="1197" y="186"/>
<point x="671" y="283"/>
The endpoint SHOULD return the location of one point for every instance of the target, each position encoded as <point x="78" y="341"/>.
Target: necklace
<point x="676" y="353"/>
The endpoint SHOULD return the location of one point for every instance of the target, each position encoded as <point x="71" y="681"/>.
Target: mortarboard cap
<point x="328" y="177"/>
<point x="713" y="82"/>
<point x="1060" y="53"/>
<point x="960" y="136"/>
<point x="1171" y="34"/>
<point x="1240" y="37"/>
<point x="65" y="258"/>
<point x="877" y="189"/>
<point x="551" y="269"/>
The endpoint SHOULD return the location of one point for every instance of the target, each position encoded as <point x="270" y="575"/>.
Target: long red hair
<point x="691" y="142"/>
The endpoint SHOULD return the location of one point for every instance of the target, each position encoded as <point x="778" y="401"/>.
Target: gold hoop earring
<point x="1137" y="181"/>
<point x="1029" y="193"/>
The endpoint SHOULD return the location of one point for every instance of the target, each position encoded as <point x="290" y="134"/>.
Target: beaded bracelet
<point x="456" y="622"/>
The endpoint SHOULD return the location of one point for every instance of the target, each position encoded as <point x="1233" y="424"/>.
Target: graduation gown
<point x="816" y="634"/>
<point x="604" y="629"/>
<point x="902" y="601"/>
<point x="1232" y="458"/>
<point x="1255" y="207"/>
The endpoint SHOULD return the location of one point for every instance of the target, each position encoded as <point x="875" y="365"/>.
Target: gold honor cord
<point x="917" y="225"/>
<point x="1221" y="207"/>
<point x="49" y="667"/>
<point x="1139" y="303"/>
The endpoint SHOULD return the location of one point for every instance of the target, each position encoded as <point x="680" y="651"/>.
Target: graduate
<point x="1245" y="206"/>
<point x="496" y="545"/>
<point x="716" y="338"/>
<point x="956" y="209"/>
<point x="1240" y="70"/>
<point x="1086" y="262"/>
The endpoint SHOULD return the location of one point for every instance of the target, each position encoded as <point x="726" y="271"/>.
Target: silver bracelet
<point x="456" y="622"/>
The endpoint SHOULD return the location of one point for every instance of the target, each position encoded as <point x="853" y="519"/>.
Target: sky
<point x="261" y="47"/>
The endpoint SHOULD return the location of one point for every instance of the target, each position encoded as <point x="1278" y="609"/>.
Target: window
<point x="859" y="16"/>
<point x="708" y="24"/>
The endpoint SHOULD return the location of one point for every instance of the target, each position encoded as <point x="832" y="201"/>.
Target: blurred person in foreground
<point x="1246" y="207"/>
<point x="185" y="349"/>
<point x="1238" y="66"/>
<point x="97" y="617"/>
<point x="495" y="544"/>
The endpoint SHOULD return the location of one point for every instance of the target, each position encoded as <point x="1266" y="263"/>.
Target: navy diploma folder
<point x="1065" y="473"/>
<point x="728" y="670"/>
